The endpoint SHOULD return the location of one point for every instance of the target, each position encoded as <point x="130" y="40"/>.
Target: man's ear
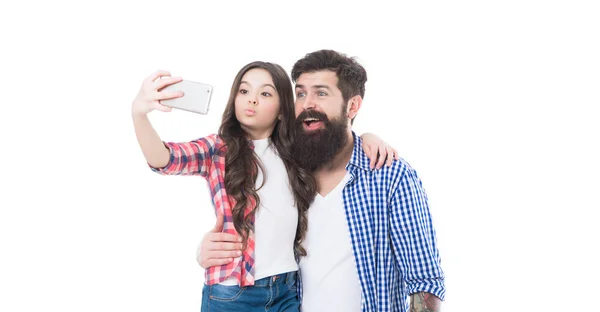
<point x="353" y="106"/>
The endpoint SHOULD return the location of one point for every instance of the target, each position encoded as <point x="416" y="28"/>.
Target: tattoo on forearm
<point x="424" y="302"/>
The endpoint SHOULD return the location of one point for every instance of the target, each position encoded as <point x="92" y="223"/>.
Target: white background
<point x="494" y="103"/>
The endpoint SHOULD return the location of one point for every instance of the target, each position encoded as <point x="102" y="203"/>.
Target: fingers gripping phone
<point x="196" y="96"/>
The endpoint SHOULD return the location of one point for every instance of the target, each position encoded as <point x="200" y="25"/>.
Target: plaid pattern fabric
<point x="392" y="234"/>
<point x="206" y="157"/>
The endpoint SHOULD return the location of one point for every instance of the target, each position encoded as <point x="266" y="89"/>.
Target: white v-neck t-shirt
<point x="276" y="220"/>
<point x="329" y="276"/>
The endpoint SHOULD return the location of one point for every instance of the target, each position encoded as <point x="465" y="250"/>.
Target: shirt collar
<point x="359" y="158"/>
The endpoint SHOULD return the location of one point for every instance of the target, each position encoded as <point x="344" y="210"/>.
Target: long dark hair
<point x="242" y="164"/>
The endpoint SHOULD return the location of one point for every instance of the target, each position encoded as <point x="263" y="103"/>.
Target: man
<point x="370" y="242"/>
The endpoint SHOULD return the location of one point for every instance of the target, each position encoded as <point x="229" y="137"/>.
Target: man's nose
<point x="308" y="102"/>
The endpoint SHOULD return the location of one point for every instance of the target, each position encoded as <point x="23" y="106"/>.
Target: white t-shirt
<point x="329" y="276"/>
<point x="276" y="220"/>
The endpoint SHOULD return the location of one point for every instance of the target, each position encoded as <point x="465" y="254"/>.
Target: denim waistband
<point x="288" y="277"/>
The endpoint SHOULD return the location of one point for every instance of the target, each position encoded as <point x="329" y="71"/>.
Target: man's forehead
<point x="322" y="77"/>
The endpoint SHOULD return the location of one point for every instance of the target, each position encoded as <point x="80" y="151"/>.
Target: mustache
<point x="311" y="114"/>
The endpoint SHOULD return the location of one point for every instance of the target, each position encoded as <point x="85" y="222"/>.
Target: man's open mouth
<point x="309" y="121"/>
<point x="312" y="123"/>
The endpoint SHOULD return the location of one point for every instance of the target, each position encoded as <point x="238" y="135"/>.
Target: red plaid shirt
<point x="206" y="157"/>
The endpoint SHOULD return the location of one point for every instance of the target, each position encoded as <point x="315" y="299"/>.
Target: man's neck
<point x="341" y="159"/>
<point x="332" y="173"/>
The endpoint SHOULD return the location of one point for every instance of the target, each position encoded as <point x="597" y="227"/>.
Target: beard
<point x="313" y="149"/>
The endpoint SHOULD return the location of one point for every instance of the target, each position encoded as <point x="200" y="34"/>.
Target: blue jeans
<point x="276" y="293"/>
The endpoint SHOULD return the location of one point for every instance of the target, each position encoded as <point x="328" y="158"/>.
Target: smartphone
<point x="195" y="99"/>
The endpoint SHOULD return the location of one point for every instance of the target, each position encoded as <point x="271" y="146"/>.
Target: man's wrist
<point x="424" y="302"/>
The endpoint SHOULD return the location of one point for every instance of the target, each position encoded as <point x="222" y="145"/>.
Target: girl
<point x="262" y="196"/>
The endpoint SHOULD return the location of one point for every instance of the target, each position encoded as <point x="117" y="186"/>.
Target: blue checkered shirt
<point x="393" y="239"/>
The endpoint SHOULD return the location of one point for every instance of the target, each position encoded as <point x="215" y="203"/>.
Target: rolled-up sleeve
<point x="414" y="239"/>
<point x="189" y="158"/>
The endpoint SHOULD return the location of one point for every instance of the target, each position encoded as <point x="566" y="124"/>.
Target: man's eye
<point x="321" y="93"/>
<point x="300" y="94"/>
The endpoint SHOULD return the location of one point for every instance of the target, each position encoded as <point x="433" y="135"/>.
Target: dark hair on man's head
<point x="351" y="75"/>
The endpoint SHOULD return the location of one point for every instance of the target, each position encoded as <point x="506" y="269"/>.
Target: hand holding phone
<point x="196" y="96"/>
<point x="148" y="98"/>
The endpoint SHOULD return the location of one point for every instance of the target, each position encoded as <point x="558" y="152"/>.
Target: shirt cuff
<point x="433" y="286"/>
<point x="165" y="169"/>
